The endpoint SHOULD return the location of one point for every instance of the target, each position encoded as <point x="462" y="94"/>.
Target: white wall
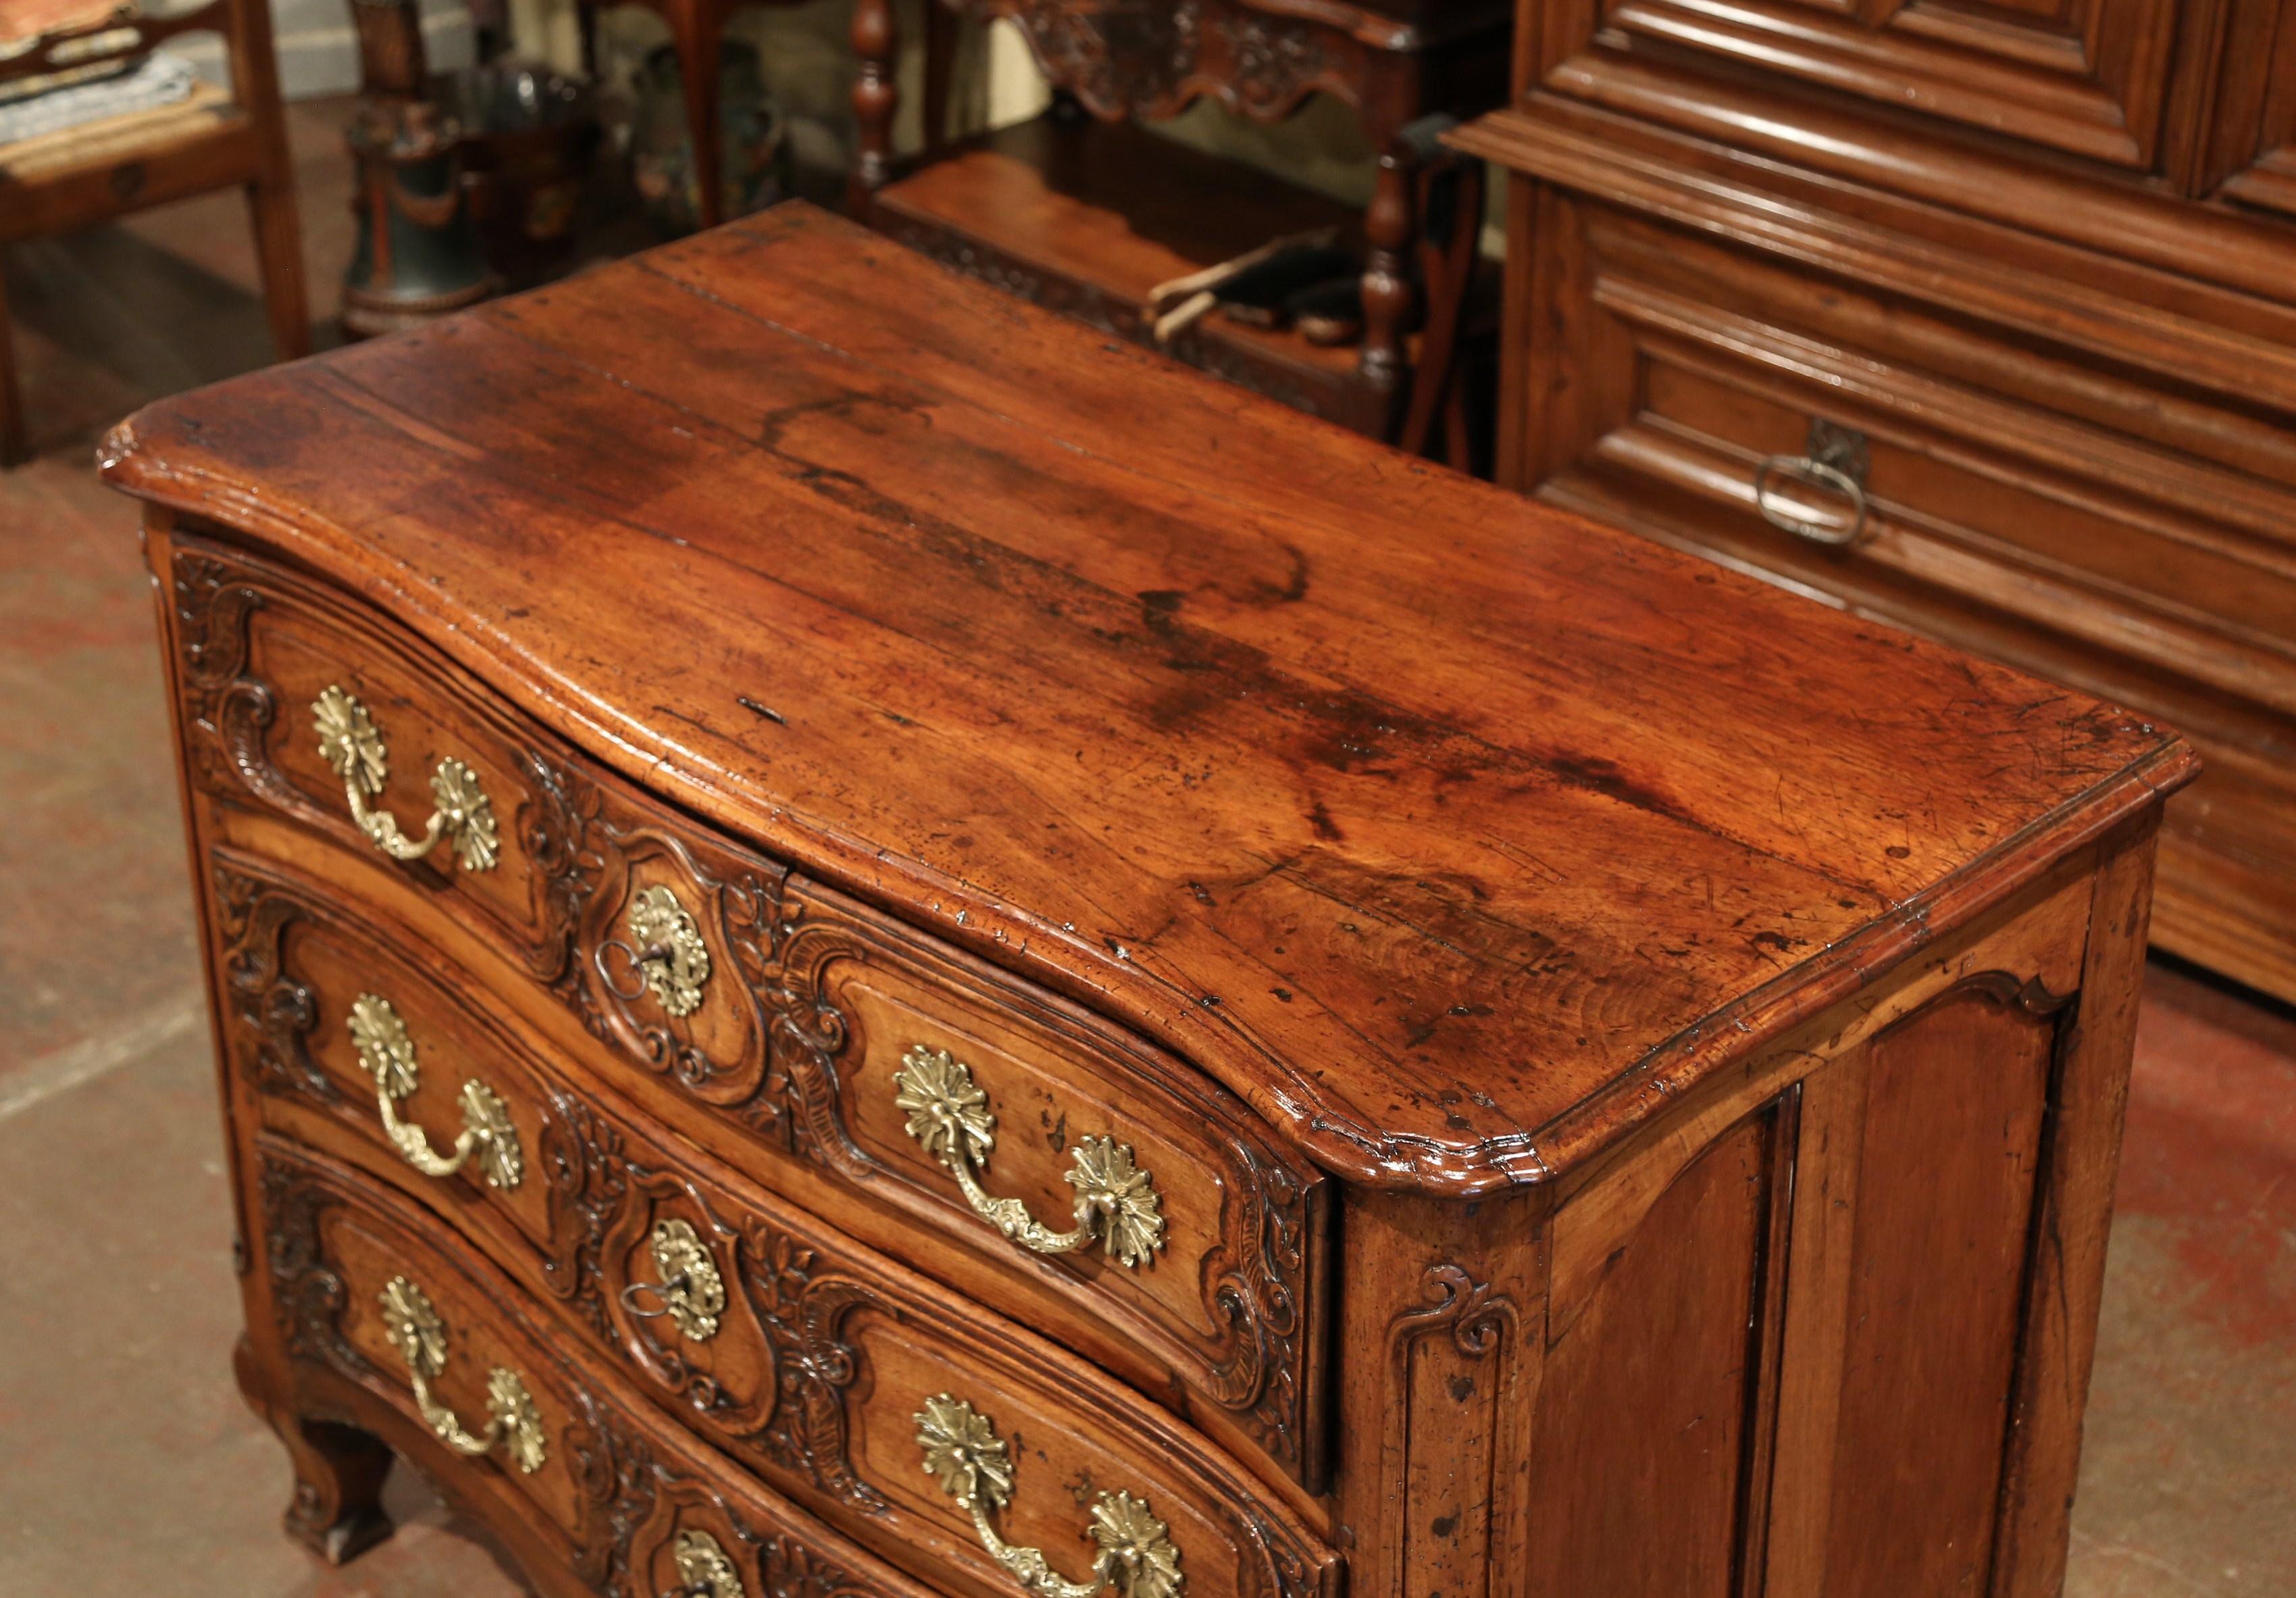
<point x="318" y="52"/>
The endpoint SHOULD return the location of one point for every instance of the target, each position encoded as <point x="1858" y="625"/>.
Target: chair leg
<point x="876" y="96"/>
<point x="1391" y="227"/>
<point x="279" y="250"/>
<point x="697" y="64"/>
<point x="942" y="38"/>
<point x="11" y="408"/>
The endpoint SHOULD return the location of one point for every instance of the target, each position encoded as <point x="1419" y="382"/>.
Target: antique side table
<point x="1083" y="210"/>
<point x="863" y="943"/>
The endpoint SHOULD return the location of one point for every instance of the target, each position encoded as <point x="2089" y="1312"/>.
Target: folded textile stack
<point x="36" y="107"/>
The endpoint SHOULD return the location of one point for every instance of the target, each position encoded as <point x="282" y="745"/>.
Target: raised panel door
<point x="2251" y="148"/>
<point x="2089" y="78"/>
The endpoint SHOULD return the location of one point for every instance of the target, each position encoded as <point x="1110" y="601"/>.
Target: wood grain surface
<point x="1452" y="832"/>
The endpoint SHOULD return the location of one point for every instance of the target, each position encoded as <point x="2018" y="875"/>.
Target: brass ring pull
<point x="420" y="1336"/>
<point x="691" y="1292"/>
<point x="1116" y="1200"/>
<point x="703" y="1571"/>
<point x="963" y="1452"/>
<point x="665" y="946"/>
<point x="352" y="745"/>
<point x="1834" y="458"/>
<point x="388" y="1053"/>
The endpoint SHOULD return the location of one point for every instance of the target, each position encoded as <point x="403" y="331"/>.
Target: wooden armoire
<point x="1977" y="318"/>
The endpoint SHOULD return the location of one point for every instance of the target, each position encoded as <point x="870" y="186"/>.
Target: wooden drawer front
<point x="788" y="1029"/>
<point x="1991" y="473"/>
<point x="1230" y="1296"/>
<point x="616" y="1495"/>
<point x="2086" y="77"/>
<point x="303" y="973"/>
<point x="261" y="647"/>
<point x="590" y="878"/>
<point x="811" y="1363"/>
<point x="807" y="1357"/>
<point x="818" y="1367"/>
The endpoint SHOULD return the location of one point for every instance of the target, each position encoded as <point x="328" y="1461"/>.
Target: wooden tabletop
<point x="1451" y="831"/>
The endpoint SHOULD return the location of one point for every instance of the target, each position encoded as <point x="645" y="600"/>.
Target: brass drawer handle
<point x="420" y="1337"/>
<point x="1834" y="458"/>
<point x="352" y="745"/>
<point x="703" y="1571"/>
<point x="388" y="1053"/>
<point x="963" y="1452"/>
<point x="693" y="1293"/>
<point x="1116" y="1200"/>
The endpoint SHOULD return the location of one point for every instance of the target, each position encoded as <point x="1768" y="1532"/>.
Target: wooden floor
<point x="130" y="1466"/>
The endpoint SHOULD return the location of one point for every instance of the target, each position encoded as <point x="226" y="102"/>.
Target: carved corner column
<point x="1442" y="1314"/>
<point x="876" y="96"/>
<point x="334" y="1507"/>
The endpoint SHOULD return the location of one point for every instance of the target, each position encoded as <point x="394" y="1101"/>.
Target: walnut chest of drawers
<point x="862" y="945"/>
<point x="1976" y="318"/>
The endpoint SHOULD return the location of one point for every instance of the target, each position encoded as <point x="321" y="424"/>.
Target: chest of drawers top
<point x="1450" y="832"/>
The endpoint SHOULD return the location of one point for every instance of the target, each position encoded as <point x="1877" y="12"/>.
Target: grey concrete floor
<point x="128" y="1463"/>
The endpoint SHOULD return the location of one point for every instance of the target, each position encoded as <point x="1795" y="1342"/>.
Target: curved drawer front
<point x="319" y="997"/>
<point x="283" y="689"/>
<point x="830" y="1371"/>
<point x="649" y="928"/>
<point x="1009" y="1120"/>
<point x="837" y="1377"/>
<point x="797" y="1351"/>
<point x="1118" y="1199"/>
<point x="627" y="1503"/>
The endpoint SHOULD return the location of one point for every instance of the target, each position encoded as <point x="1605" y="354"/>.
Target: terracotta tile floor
<point x="128" y="1465"/>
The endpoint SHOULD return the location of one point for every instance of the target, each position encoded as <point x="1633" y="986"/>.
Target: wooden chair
<point x="697" y="31"/>
<point x="63" y="182"/>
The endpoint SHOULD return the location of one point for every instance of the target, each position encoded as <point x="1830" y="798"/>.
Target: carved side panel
<point x="306" y="1295"/>
<point x="1451" y="1373"/>
<point x="1951" y="1148"/>
<point x="1642" y="1477"/>
<point x="273" y="1013"/>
